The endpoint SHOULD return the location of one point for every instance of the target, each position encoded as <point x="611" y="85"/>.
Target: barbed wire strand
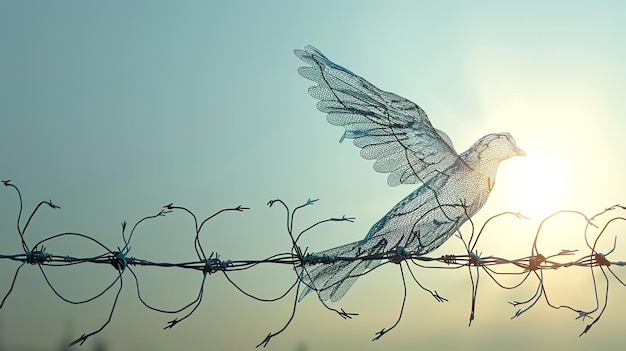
<point x="300" y="261"/>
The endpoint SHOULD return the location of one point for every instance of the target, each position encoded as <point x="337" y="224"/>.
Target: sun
<point x="541" y="185"/>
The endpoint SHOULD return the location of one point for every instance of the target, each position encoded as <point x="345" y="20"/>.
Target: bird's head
<point x="495" y="147"/>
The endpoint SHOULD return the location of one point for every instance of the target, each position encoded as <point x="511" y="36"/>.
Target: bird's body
<point x="398" y="134"/>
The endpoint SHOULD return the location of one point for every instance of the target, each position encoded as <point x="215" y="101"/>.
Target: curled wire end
<point x="590" y="222"/>
<point x="586" y="329"/>
<point x="49" y="202"/>
<point x="311" y="202"/>
<point x="518" y="313"/>
<point x="520" y="215"/>
<point x="344" y="219"/>
<point x="163" y="212"/>
<point x="6" y="182"/>
<point x="566" y="252"/>
<point x="171" y="324"/>
<point x="346" y="315"/>
<point x="440" y="298"/>
<point x="380" y="334"/>
<point x="266" y="340"/>
<point x="79" y="341"/>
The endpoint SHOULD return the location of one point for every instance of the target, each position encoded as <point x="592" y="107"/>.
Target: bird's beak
<point x="519" y="151"/>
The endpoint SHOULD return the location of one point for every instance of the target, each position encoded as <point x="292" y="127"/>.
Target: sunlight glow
<point x="541" y="186"/>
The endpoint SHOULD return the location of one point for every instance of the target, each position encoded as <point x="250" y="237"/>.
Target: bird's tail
<point x="332" y="278"/>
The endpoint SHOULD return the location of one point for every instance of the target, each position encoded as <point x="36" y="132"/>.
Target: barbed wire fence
<point x="599" y="264"/>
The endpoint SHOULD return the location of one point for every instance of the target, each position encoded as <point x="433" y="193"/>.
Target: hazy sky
<point x="114" y="109"/>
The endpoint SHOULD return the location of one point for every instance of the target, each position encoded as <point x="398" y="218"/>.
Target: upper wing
<point x="390" y="129"/>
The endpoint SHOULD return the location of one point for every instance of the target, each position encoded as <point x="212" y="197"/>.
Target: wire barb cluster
<point x="300" y="261"/>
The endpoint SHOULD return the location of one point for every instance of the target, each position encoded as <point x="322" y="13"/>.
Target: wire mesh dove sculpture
<point x="398" y="135"/>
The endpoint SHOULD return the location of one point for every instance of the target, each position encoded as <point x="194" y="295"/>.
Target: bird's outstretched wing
<point x="388" y="128"/>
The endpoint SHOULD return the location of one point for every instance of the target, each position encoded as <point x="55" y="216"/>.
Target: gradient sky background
<point x="114" y="109"/>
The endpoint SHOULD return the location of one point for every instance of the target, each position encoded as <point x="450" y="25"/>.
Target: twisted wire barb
<point x="301" y="261"/>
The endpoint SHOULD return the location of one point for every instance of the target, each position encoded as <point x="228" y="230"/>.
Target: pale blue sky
<point x="114" y="109"/>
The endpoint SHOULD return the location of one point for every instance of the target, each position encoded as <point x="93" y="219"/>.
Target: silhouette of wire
<point x="301" y="261"/>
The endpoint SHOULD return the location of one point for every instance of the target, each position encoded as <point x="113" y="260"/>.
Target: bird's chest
<point x="451" y="200"/>
<point x="464" y="189"/>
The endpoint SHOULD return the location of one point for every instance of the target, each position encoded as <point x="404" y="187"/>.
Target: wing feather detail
<point x="388" y="128"/>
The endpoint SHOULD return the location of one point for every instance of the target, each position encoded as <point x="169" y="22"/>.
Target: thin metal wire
<point x="301" y="261"/>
